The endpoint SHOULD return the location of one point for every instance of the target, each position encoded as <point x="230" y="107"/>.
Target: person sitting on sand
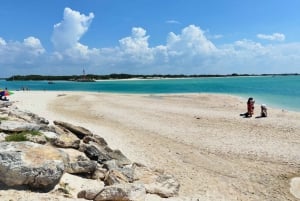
<point x="264" y="112"/>
<point x="250" y="107"/>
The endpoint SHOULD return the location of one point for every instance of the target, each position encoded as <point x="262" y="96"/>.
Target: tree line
<point x="126" y="76"/>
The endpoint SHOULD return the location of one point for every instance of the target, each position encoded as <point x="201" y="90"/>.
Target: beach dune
<point x="202" y="139"/>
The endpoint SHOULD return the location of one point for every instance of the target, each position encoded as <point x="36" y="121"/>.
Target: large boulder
<point x="79" y="131"/>
<point x="96" y="149"/>
<point x="99" y="140"/>
<point x="27" y="116"/>
<point x="30" y="164"/>
<point x="65" y="139"/>
<point x="70" y="185"/>
<point x="95" y="152"/>
<point x="156" y="182"/>
<point x="77" y="162"/>
<point x="18" y="126"/>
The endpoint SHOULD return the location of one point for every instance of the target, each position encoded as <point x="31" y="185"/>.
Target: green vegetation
<point x="126" y="76"/>
<point x="17" y="137"/>
<point x="3" y="119"/>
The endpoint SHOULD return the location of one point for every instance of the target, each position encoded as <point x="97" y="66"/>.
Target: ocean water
<point x="275" y="91"/>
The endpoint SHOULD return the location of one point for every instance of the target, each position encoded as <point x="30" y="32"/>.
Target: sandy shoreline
<point x="201" y="139"/>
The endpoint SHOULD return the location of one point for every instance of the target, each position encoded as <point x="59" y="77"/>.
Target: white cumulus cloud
<point x="273" y="37"/>
<point x="66" y="34"/>
<point x="191" y="40"/>
<point x="16" y="53"/>
<point x="34" y="44"/>
<point x="136" y="46"/>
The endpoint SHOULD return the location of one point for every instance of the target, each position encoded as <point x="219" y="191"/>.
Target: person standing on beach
<point x="250" y="107"/>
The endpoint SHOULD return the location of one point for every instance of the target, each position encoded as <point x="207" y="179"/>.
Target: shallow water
<point x="276" y="91"/>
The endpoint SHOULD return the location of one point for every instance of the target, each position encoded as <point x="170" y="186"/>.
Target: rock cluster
<point x="47" y="159"/>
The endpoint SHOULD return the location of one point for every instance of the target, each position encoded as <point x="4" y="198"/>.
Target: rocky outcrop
<point x="27" y="163"/>
<point x="18" y="126"/>
<point x="79" y="131"/>
<point x="77" y="162"/>
<point x="102" y="153"/>
<point x="69" y="185"/>
<point x="65" y="139"/>
<point x="62" y="153"/>
<point x="28" y="116"/>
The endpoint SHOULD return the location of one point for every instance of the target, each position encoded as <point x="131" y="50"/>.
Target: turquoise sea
<point x="275" y="91"/>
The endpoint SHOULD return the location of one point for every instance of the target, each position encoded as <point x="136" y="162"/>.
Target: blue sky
<point x="61" y="37"/>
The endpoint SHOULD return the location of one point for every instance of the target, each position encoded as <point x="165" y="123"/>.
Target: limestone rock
<point x="51" y="136"/>
<point x="40" y="139"/>
<point x="165" y="186"/>
<point x="102" y="153"/>
<point x="99" y="140"/>
<point x="99" y="173"/>
<point x="111" y="164"/>
<point x="71" y="185"/>
<point x="119" y="157"/>
<point x="79" y="131"/>
<point x="2" y="137"/>
<point x="88" y="194"/>
<point x="124" y="192"/>
<point x="95" y="152"/>
<point x="78" y="162"/>
<point x="156" y="182"/>
<point x="66" y="139"/>
<point x="115" y="177"/>
<point x="27" y="116"/>
<point x="118" y="175"/>
<point x="31" y="164"/>
<point x="18" y="126"/>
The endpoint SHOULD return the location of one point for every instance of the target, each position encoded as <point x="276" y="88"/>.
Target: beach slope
<point x="202" y="139"/>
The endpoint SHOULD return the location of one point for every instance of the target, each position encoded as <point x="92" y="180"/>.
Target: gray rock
<point x="111" y="164"/>
<point x="28" y="116"/>
<point x="30" y="164"/>
<point x="2" y="137"/>
<point x="50" y="135"/>
<point x="124" y="192"/>
<point x="101" y="152"/>
<point x="99" y="140"/>
<point x="5" y="104"/>
<point x="115" y="177"/>
<point x="156" y="182"/>
<point x="40" y="139"/>
<point x="78" y="162"/>
<point x="66" y="139"/>
<point x="95" y="152"/>
<point x="119" y="157"/>
<point x="18" y="126"/>
<point x="79" y="131"/>
<point x="71" y="185"/>
<point x="88" y="194"/>
<point x="117" y="174"/>
<point x="99" y="173"/>
<point x="165" y="186"/>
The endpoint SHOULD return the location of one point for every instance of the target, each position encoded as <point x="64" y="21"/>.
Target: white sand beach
<point x="202" y="139"/>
